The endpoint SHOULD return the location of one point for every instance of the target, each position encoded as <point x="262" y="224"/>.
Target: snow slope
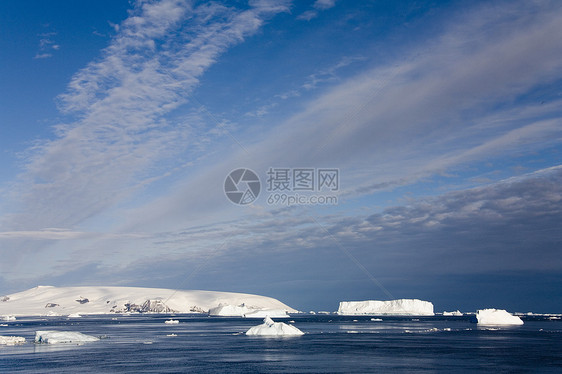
<point x="270" y="328"/>
<point x="413" y="307"/>
<point x="497" y="317"/>
<point x="48" y="300"/>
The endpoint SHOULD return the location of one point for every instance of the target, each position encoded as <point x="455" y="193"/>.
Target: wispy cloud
<point x="318" y="5"/>
<point x="151" y="66"/>
<point x="47" y="45"/>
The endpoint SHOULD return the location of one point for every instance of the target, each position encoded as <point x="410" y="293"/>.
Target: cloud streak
<point x="150" y="68"/>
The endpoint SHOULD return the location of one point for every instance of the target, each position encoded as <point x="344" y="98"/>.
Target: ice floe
<point x="63" y="337"/>
<point x="11" y="340"/>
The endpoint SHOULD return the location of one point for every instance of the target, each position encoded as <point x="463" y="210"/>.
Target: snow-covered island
<point x="400" y="307"/>
<point x="74" y="301"/>
<point x="496" y="317"/>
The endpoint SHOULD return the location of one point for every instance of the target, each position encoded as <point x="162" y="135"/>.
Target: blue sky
<point x="120" y="121"/>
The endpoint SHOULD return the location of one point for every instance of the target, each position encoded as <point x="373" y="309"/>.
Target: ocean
<point x="331" y="344"/>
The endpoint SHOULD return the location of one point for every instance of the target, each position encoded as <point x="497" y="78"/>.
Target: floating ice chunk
<point x="226" y="310"/>
<point x="171" y="322"/>
<point x="456" y="313"/>
<point x="7" y="318"/>
<point x="412" y="307"/>
<point x="270" y="328"/>
<point x="11" y="340"/>
<point x="262" y="313"/>
<point x="497" y="317"/>
<point x="74" y="315"/>
<point x="229" y="310"/>
<point x="376" y="319"/>
<point x="59" y="337"/>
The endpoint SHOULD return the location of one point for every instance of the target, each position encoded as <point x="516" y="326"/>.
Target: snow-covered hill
<point x="48" y="300"/>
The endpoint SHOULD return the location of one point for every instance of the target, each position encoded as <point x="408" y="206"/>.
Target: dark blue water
<point x="332" y="344"/>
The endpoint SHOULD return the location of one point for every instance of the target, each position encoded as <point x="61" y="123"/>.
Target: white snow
<point x="271" y="328"/>
<point x="229" y="310"/>
<point x="497" y="317"/>
<point x="456" y="313"/>
<point x="60" y="337"/>
<point x="412" y="307"/>
<point x="11" y="340"/>
<point x="171" y="322"/>
<point x="261" y="313"/>
<point x="245" y="311"/>
<point x="56" y="301"/>
<point x="74" y="315"/>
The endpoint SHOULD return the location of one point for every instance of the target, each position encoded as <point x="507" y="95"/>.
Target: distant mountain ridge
<point x="49" y="300"/>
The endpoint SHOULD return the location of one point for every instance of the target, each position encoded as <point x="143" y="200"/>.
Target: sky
<point x="401" y="149"/>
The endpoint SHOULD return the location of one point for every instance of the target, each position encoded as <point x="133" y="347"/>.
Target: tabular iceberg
<point x="11" y="340"/>
<point x="497" y="317"/>
<point x="400" y="307"/>
<point x="271" y="328"/>
<point x="58" y="337"/>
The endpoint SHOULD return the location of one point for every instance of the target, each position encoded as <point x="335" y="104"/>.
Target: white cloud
<point x="119" y="101"/>
<point x="47" y="45"/>
<point x="324" y="4"/>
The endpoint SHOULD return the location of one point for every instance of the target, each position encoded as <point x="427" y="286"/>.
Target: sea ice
<point x="456" y="313"/>
<point x="57" y="337"/>
<point x="8" y="318"/>
<point x="11" y="340"/>
<point x="271" y="328"/>
<point x="411" y="307"/>
<point x="171" y="322"/>
<point x="497" y="317"/>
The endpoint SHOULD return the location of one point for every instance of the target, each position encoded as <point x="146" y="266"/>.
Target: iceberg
<point x="271" y="328"/>
<point x="11" y="340"/>
<point x="497" y="317"/>
<point x="7" y="318"/>
<point x="171" y="322"/>
<point x="400" y="307"/>
<point x="247" y="312"/>
<point x="456" y="313"/>
<point x="229" y="310"/>
<point x="62" y="337"/>
<point x="262" y="313"/>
